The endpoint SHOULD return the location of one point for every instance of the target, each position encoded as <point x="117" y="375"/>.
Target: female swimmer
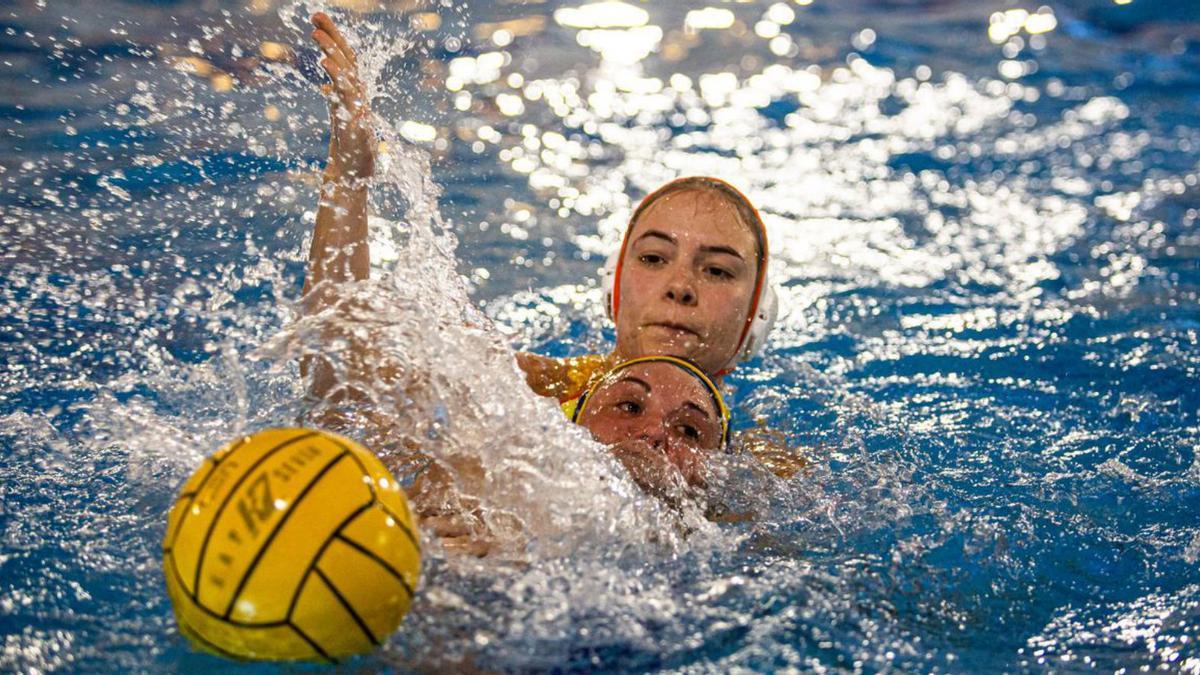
<point x="660" y="416"/>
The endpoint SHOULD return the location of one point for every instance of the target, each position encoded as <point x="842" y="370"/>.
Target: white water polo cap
<point x="765" y="305"/>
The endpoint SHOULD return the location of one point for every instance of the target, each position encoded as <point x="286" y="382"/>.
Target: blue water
<point x="984" y="227"/>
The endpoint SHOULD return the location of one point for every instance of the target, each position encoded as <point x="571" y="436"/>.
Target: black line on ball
<point x="169" y="546"/>
<point x="353" y="455"/>
<point x="216" y="462"/>
<point x="382" y="563"/>
<point x="275" y="530"/>
<point x="242" y="624"/>
<point x="178" y="576"/>
<point x="232" y="622"/>
<point x="225" y="502"/>
<point x="170" y="537"/>
<point x="312" y="563"/>
<point x="345" y="604"/>
<point x="412" y="538"/>
<point x="311" y="642"/>
<point x="371" y="486"/>
<point x="208" y="644"/>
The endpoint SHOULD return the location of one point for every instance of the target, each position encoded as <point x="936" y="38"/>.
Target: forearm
<point x="340" y="251"/>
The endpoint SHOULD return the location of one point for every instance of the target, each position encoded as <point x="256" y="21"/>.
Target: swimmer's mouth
<point x="678" y="328"/>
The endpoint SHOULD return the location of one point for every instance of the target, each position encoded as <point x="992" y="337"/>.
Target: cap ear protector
<point x="764" y="307"/>
<point x="608" y="281"/>
<point x="574" y="408"/>
<point x="760" y="326"/>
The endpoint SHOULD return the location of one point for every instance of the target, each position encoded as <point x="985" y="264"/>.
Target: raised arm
<point x="340" y="250"/>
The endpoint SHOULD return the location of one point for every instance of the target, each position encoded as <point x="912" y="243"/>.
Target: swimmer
<point x="660" y="416"/>
<point x="688" y="281"/>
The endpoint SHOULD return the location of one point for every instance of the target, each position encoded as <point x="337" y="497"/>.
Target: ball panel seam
<point x="311" y="643"/>
<point x="400" y="522"/>
<point x="346" y="605"/>
<point x="317" y="556"/>
<point x="380" y="561"/>
<point x="275" y="530"/>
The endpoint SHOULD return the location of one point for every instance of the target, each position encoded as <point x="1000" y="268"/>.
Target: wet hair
<point x="746" y="212"/>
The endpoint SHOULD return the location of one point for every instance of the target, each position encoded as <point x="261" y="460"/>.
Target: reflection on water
<point x="983" y="225"/>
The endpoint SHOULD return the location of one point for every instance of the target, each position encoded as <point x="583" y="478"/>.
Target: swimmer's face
<point x="687" y="280"/>
<point x="661" y="406"/>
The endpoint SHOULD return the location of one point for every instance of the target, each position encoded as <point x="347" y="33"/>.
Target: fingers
<point x="333" y="55"/>
<point x="342" y="74"/>
<point x="333" y="43"/>
<point x="342" y="93"/>
<point x="330" y="48"/>
<point x="322" y="21"/>
<point x="453" y="525"/>
<point x="478" y="548"/>
<point x="340" y="61"/>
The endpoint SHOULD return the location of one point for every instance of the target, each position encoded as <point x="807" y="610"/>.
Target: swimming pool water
<point x="983" y="219"/>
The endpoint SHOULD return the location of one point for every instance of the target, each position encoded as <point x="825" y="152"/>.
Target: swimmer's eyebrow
<point x="722" y="249"/>
<point x="657" y="235"/>
<point x="698" y="409"/>
<point x="726" y="250"/>
<point x="635" y="380"/>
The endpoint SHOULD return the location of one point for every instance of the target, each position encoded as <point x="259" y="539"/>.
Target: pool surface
<point x="983" y="221"/>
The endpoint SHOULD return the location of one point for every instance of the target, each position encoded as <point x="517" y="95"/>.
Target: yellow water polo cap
<point x="574" y="407"/>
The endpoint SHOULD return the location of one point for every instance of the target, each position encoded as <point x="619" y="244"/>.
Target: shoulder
<point x="770" y="447"/>
<point x="561" y="378"/>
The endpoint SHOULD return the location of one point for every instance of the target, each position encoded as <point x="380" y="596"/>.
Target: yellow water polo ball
<point x="290" y="544"/>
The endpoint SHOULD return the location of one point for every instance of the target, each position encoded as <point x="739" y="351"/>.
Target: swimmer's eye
<point x="651" y="259"/>
<point x="630" y="407"/>
<point x="718" y="273"/>
<point x="688" y="431"/>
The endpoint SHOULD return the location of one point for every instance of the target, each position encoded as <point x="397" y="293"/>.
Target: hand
<point x="352" y="141"/>
<point x="459" y="521"/>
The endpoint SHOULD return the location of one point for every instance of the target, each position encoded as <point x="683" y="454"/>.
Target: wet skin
<point x="687" y="281"/>
<point x="660" y="421"/>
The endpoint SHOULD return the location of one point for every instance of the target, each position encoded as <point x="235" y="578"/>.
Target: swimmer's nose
<point x="681" y="290"/>
<point x="655" y="435"/>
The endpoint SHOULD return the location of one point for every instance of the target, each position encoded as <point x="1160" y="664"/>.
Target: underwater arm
<point x="771" y="448"/>
<point x="543" y="374"/>
<point x="564" y="378"/>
